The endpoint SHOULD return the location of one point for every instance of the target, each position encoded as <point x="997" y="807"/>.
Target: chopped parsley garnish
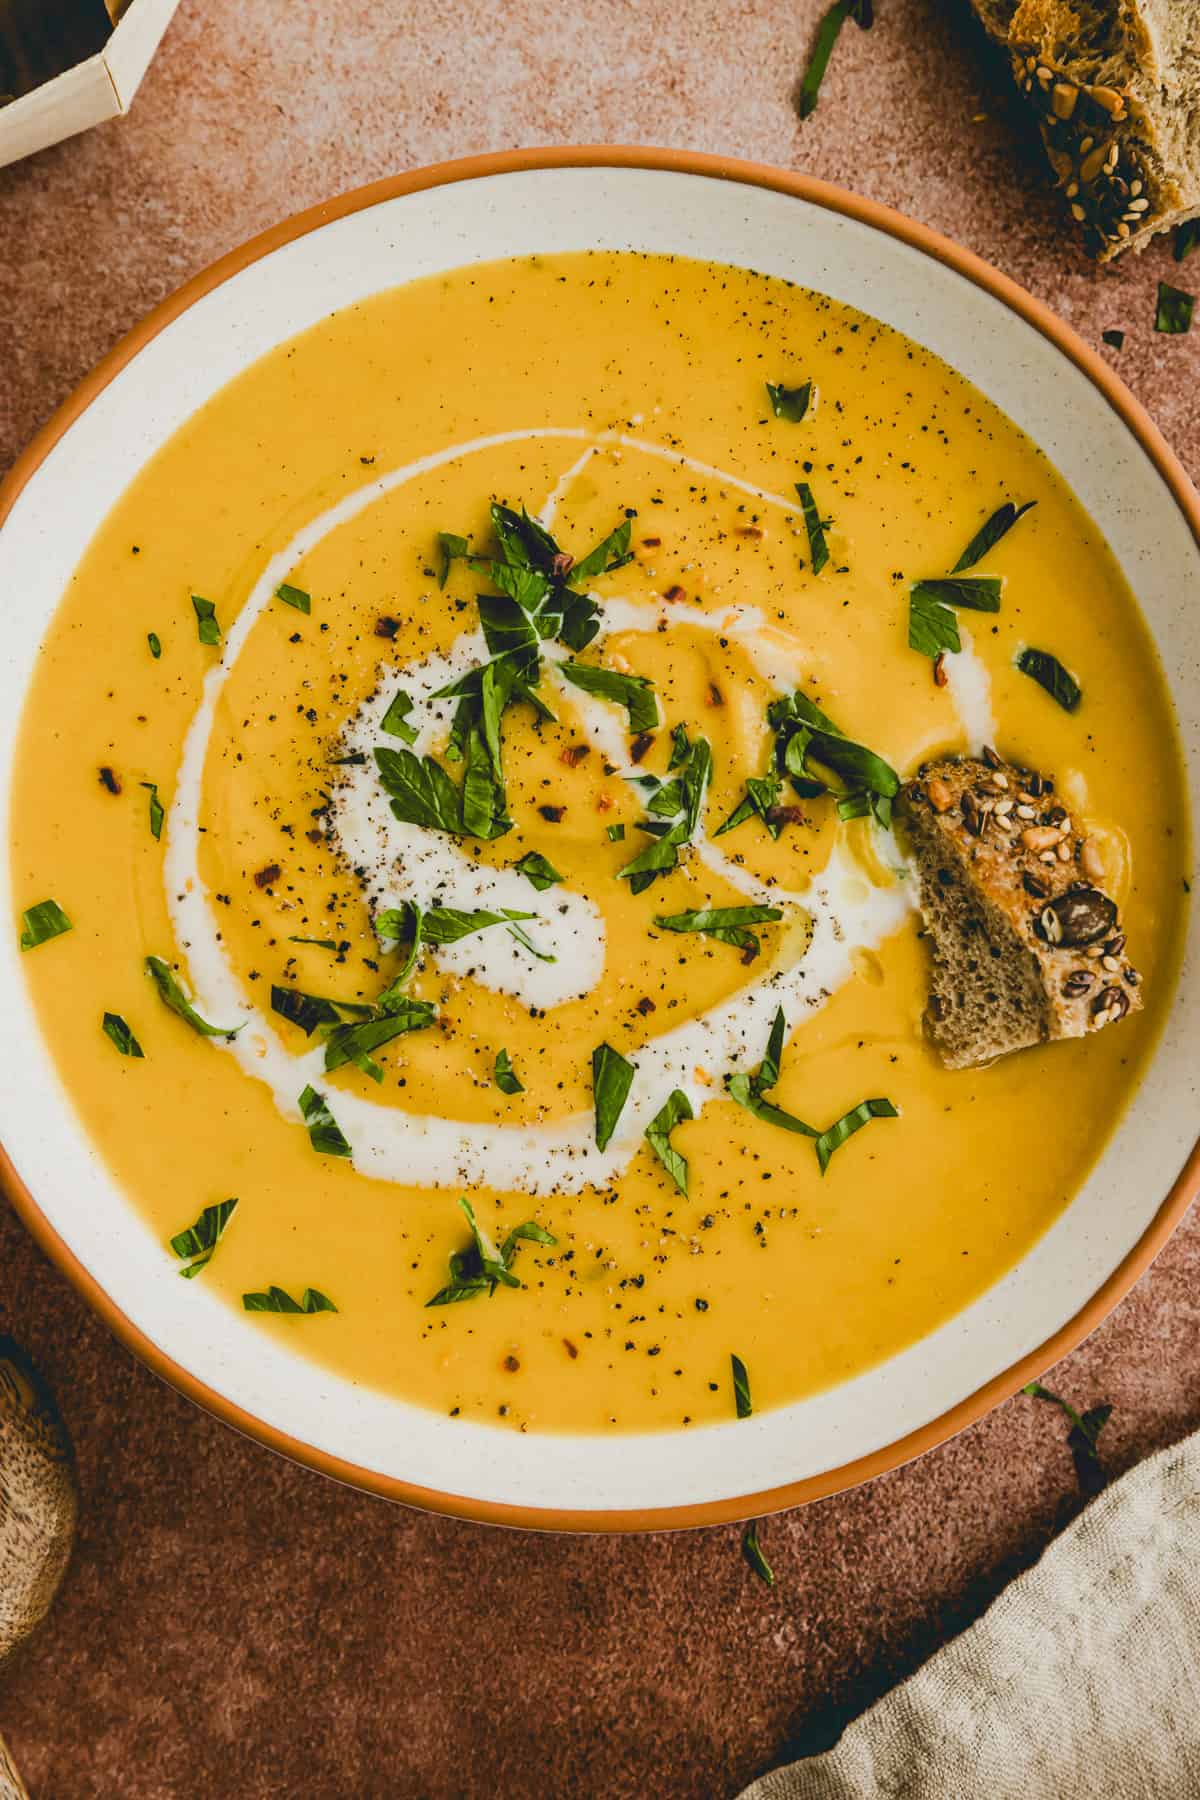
<point x="317" y="943"/>
<point x="989" y="534"/>
<point x="395" y="719"/>
<point x="309" y="1010"/>
<point x="157" y="815"/>
<point x="155" y="643"/>
<point x="748" y="1090"/>
<point x="505" y="1076"/>
<point x="676" y="808"/>
<point x="324" y="1133"/>
<point x="817" y="758"/>
<point x="118" y="1033"/>
<point x="815" y="526"/>
<point x="42" y="922"/>
<point x="612" y="1078"/>
<point x="680" y="748"/>
<point x="1114" y="339"/>
<point x="484" y="1266"/>
<point x="743" y="1404"/>
<point x="294" y="596"/>
<point x="537" y="870"/>
<point x="761" y="798"/>
<point x="752" y="1550"/>
<point x="728" y="924"/>
<point x="441" y="924"/>
<point x="1174" y="311"/>
<point x="1049" y="673"/>
<point x="658" y="1135"/>
<point x="615" y="833"/>
<point x="174" y="998"/>
<point x="848" y="1124"/>
<point x="789" y="403"/>
<point x="275" y="1300"/>
<point x="828" y="32"/>
<point x="634" y="692"/>
<point x="423" y="794"/>
<point x="206" y="620"/>
<point x="353" y="1043"/>
<point x="1187" y="236"/>
<point x="932" y="626"/>
<point x="1083" y="1437"/>
<point x="195" y="1246"/>
<point x="452" y="547"/>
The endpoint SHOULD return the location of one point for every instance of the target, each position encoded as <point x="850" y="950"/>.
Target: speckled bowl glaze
<point x="1031" y="365"/>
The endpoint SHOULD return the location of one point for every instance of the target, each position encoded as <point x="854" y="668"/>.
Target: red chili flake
<point x="315" y="837"/>
<point x="511" y="1363"/>
<point x="646" y="1005"/>
<point x="552" y="814"/>
<point x="110" y="779"/>
<point x="651" y="543"/>
<point x="266" y="876"/>
<point x="785" y="815"/>
<point x="386" y="628"/>
<point x="562" y="565"/>
<point x="574" y="754"/>
<point x="640" y="745"/>
<point x="675" y="592"/>
<point x="940" y="673"/>
<point x="604" y="803"/>
<point x="749" y="531"/>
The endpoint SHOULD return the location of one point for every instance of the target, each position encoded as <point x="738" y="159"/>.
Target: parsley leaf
<point x="748" y="1090"/>
<point x="155" y="643"/>
<point x="395" y="719"/>
<point x="421" y="791"/>
<point x="815" y="526"/>
<point x="483" y="1267"/>
<point x="611" y="553"/>
<point x="505" y="1076"/>
<point x="1082" y="1439"/>
<point x="612" y="1078"/>
<point x="661" y="855"/>
<point x="725" y="923"/>
<point x="658" y="1135"/>
<point x="762" y="796"/>
<point x="1049" y="673"/>
<point x="743" y="1404"/>
<point x="157" y="815"/>
<point x="118" y="1032"/>
<point x="981" y="593"/>
<point x="932" y="627"/>
<point x="1187" y="236"/>
<point x="1114" y="339"/>
<point x="752" y="1550"/>
<point x="324" y="1133"/>
<point x="275" y="1300"/>
<point x="789" y="403"/>
<point x="1174" y="311"/>
<point x="42" y="922"/>
<point x="828" y="32"/>
<point x="989" y="534"/>
<point x="353" y="1043"/>
<point x="176" y="1001"/>
<point x="818" y="757"/>
<point x="633" y="692"/>
<point x="308" y="1011"/>
<point x="195" y="1246"/>
<point x="537" y="870"/>
<point x="294" y="596"/>
<point x="206" y="620"/>
<point x="452" y="547"/>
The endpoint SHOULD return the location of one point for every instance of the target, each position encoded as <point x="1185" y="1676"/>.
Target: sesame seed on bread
<point x="1115" y="86"/>
<point x="1026" y="947"/>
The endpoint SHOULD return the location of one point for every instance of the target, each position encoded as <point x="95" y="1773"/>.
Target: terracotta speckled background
<point x="234" y="1625"/>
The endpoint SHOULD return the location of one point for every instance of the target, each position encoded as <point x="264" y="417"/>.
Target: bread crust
<point x="1026" y="946"/>
<point x="1114" y="93"/>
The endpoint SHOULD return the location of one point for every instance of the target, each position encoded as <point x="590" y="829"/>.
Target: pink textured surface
<point x="232" y="1624"/>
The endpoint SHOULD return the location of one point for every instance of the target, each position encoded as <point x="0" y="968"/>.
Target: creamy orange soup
<point x="606" y="394"/>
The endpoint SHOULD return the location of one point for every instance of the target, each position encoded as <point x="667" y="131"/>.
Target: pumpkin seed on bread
<point x="1026" y="946"/>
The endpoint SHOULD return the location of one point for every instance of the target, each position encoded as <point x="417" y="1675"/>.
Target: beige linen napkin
<point x="1081" y="1680"/>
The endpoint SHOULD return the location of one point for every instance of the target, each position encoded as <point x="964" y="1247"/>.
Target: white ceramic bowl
<point x="1024" y="360"/>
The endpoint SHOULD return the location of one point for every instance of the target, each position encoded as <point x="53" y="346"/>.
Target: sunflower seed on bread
<point x="1114" y="86"/>
<point x="1026" y="947"/>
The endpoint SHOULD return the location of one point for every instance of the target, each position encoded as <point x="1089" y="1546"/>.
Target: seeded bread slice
<point x="1025" y="947"/>
<point x="1115" y="85"/>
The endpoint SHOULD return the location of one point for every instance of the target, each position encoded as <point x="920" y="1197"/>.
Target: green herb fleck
<point x="932" y="627"/>
<point x="1082" y="1438"/>
<point x="42" y="922"/>
<point x="790" y="403"/>
<point x="537" y="870"/>
<point x="634" y="692"/>
<point x="615" y="834"/>
<point x="155" y="643"/>
<point x="848" y="1124"/>
<point x="505" y="1076"/>
<point x="1049" y="673"/>
<point x="176" y="1001"/>
<point x="1114" y="339"/>
<point x="658" y="1135"/>
<point x="752" y="1550"/>
<point x="815" y="526"/>
<point x="317" y="943"/>
<point x="294" y="596"/>
<point x="728" y="924"/>
<point x="484" y="1266"/>
<point x="741" y="1387"/>
<point x="827" y="34"/>
<point x="157" y="815"/>
<point x="115" y="1028"/>
<point x="1174" y="310"/>
<point x="1187" y="236"/>
<point x="748" y="1090"/>
<point x="195" y="1246"/>
<point x="612" y="1078"/>
<point x="451" y="547"/>
<point x="324" y="1133"/>
<point x="275" y="1300"/>
<point x="988" y="535"/>
<point x="206" y="620"/>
